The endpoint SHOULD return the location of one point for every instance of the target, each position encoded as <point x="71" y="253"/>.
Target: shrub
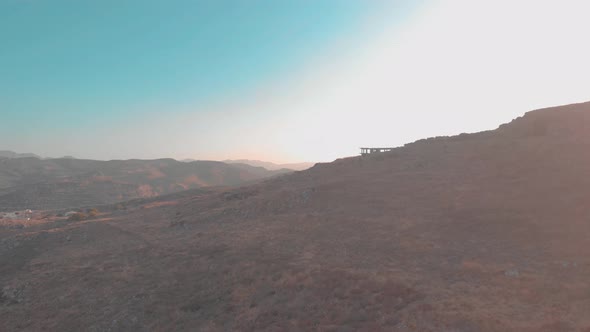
<point x="92" y="212"/>
<point x="78" y="216"/>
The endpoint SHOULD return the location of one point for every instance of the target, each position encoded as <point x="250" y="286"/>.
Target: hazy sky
<point x="284" y="81"/>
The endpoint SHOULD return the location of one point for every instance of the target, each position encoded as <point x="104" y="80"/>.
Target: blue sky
<point x="285" y="81"/>
<point x="70" y="63"/>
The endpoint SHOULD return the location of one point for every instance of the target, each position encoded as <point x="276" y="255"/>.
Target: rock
<point x="567" y="264"/>
<point x="513" y="273"/>
<point x="306" y="194"/>
<point x="11" y="295"/>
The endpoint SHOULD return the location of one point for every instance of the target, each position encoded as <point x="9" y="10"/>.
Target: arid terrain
<point x="476" y="232"/>
<point x="42" y="184"/>
<point x="271" y="166"/>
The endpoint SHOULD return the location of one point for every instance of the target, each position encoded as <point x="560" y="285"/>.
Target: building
<point x="365" y="151"/>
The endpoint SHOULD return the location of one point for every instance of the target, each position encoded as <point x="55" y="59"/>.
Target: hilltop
<point x="476" y="232"/>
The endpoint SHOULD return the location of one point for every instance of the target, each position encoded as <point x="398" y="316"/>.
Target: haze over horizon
<point x="284" y="82"/>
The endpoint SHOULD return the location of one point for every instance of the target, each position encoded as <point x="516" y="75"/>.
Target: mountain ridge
<point x="271" y="166"/>
<point x="31" y="183"/>
<point x="11" y="154"/>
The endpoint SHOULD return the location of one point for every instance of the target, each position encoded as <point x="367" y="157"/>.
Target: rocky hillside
<point x="479" y="232"/>
<point x="32" y="183"/>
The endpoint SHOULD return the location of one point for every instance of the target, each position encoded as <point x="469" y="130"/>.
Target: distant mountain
<point x="11" y="154"/>
<point x="258" y="170"/>
<point x="66" y="183"/>
<point x="271" y="166"/>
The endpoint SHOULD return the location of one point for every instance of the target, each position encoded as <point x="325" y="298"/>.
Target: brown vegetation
<point x="93" y="212"/>
<point x="78" y="216"/>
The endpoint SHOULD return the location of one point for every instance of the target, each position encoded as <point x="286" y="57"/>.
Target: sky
<point x="282" y="81"/>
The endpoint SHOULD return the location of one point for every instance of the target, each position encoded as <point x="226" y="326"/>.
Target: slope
<point x="479" y="232"/>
